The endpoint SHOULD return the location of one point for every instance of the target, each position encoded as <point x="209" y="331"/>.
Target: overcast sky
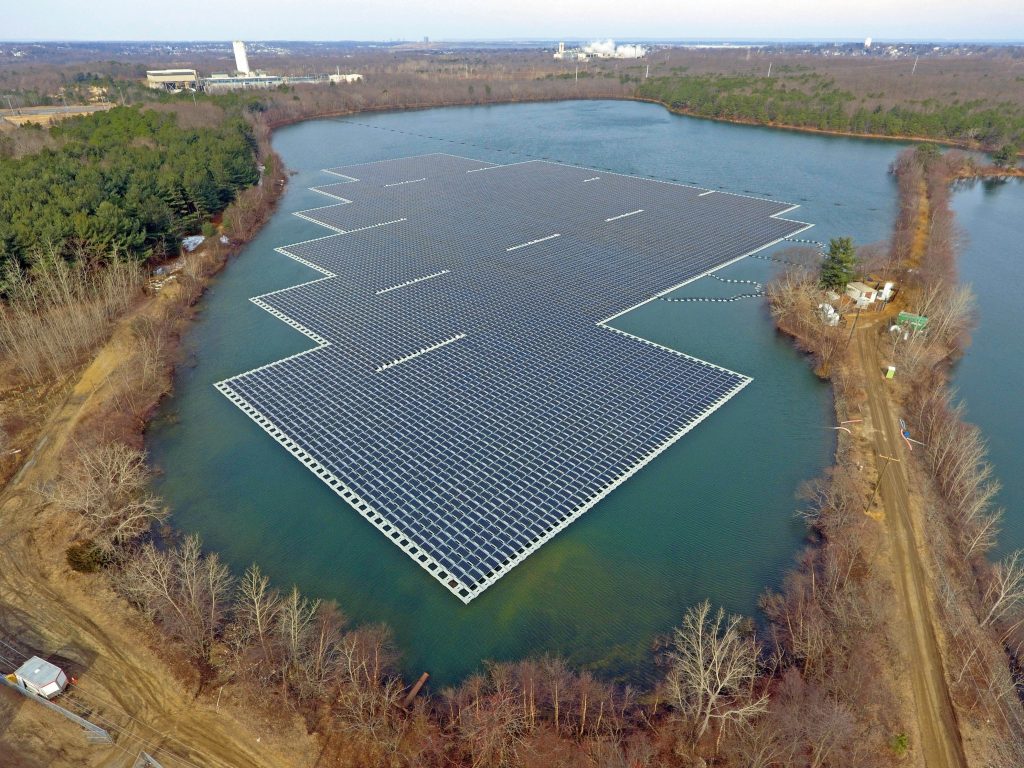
<point x="485" y="19"/>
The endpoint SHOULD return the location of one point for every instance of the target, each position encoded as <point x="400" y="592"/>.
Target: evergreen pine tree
<point x="840" y="265"/>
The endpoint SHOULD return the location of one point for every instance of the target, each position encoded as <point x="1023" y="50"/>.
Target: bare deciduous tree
<point x="758" y="746"/>
<point x="294" y="626"/>
<point x="1004" y="595"/>
<point x="323" y="653"/>
<point x="369" y="694"/>
<point x="950" y="312"/>
<point x="253" y="632"/>
<point x="490" y="719"/>
<point x="957" y="456"/>
<point x="57" y="311"/>
<point x="108" y="487"/>
<point x="186" y="591"/>
<point x="712" y="671"/>
<point x="794" y="296"/>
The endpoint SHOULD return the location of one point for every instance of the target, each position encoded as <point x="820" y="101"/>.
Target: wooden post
<point x="415" y="689"/>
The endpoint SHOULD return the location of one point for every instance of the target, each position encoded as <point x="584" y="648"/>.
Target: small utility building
<point x="862" y="294"/>
<point x="41" y="677"/>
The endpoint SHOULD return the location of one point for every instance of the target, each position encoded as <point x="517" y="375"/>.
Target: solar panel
<point x="467" y="394"/>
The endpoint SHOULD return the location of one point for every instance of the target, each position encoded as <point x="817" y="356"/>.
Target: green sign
<point x="917" y="322"/>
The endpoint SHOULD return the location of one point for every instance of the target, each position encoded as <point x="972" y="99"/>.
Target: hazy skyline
<point x="467" y="20"/>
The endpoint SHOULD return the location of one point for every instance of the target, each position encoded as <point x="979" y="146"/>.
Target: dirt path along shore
<point x="941" y="745"/>
<point x="130" y="690"/>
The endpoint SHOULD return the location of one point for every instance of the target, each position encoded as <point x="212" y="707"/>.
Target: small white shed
<point x="41" y="677"/>
<point x="862" y="294"/>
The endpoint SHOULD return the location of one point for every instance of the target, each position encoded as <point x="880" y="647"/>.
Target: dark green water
<point x="711" y="517"/>
<point x="991" y="217"/>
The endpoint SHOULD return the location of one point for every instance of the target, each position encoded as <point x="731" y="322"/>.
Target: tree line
<point x="128" y="182"/>
<point x="814" y="101"/>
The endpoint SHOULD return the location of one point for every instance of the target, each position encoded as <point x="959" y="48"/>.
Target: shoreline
<point x="939" y="580"/>
<point x="982" y="171"/>
<point x="966" y="146"/>
<point x="280" y="189"/>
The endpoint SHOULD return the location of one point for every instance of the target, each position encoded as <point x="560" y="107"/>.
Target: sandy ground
<point x="939" y="734"/>
<point x="124" y="686"/>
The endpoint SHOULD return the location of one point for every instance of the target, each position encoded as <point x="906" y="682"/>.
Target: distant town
<point x="72" y="51"/>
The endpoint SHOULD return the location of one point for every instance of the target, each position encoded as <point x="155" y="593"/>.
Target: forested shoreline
<point x="128" y="183"/>
<point x="813" y="101"/>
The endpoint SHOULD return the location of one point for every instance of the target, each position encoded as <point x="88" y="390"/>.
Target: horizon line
<point x="540" y="40"/>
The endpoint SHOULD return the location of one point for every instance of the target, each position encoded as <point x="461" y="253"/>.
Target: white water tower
<point x="241" y="60"/>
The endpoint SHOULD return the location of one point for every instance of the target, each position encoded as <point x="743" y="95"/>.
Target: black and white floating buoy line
<point x="817" y="244"/>
<point x="758" y="292"/>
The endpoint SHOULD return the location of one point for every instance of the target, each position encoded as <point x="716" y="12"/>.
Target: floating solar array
<point x="467" y="395"/>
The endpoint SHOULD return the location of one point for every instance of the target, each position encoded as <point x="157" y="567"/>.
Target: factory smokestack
<point x="241" y="60"/>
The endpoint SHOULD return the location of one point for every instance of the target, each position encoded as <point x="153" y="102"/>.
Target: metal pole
<point x="854" y="328"/>
<point x="881" y="476"/>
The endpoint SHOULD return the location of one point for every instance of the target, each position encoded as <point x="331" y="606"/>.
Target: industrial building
<point x="172" y="79"/>
<point x="600" y="50"/>
<point x="216" y="83"/>
<point x="570" y="54"/>
<point x="243" y="78"/>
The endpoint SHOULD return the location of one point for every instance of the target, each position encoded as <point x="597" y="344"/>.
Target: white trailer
<point x="41" y="677"/>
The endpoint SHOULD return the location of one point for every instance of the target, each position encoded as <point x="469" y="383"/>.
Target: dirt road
<point x="941" y="744"/>
<point x="126" y="688"/>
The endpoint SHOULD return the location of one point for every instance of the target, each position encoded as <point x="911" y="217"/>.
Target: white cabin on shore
<point x="861" y="294"/>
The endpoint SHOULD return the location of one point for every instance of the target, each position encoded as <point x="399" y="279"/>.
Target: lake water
<point x="991" y="218"/>
<point x="711" y="517"/>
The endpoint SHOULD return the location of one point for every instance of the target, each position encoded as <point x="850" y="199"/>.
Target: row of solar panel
<point x="524" y="462"/>
<point x="479" y="450"/>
